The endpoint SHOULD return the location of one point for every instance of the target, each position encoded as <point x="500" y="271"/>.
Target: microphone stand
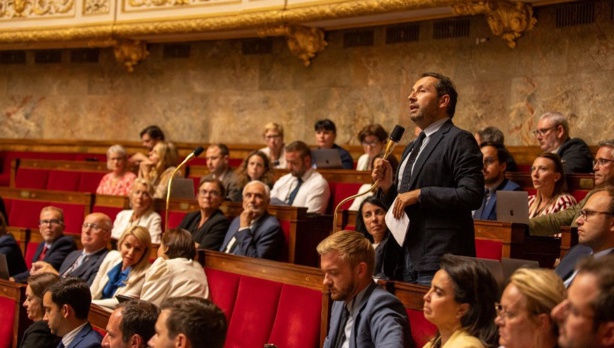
<point x="389" y="147"/>
<point x="170" y="184"/>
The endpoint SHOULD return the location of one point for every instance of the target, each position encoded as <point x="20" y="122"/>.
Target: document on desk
<point x="398" y="227"/>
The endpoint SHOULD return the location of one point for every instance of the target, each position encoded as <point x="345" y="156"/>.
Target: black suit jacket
<point x="211" y="234"/>
<point x="88" y="269"/>
<point x="55" y="255"/>
<point x="576" y="156"/>
<point x="449" y="174"/>
<point x="38" y="335"/>
<point x="14" y="258"/>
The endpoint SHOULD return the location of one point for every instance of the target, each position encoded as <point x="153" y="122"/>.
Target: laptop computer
<point x="326" y="158"/>
<point x="182" y="188"/>
<point x="4" y="268"/>
<point x="513" y="206"/>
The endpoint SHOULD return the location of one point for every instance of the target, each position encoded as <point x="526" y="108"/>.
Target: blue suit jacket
<point x="449" y="174"/>
<point x="380" y="321"/>
<point x="88" y="269"/>
<point x="490" y="210"/>
<point x="87" y="337"/>
<point x="55" y="255"/>
<point x="566" y="267"/>
<point x="264" y="240"/>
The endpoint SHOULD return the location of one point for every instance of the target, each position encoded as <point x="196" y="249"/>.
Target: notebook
<point x="326" y="158"/>
<point x="182" y="188"/>
<point x="513" y="206"/>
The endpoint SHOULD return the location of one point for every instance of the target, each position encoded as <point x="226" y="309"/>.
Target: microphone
<point x="197" y="151"/>
<point x="395" y="137"/>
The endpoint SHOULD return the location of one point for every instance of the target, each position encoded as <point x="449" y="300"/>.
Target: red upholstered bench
<point x="31" y="178"/>
<point x="267" y="301"/>
<point x="14" y="318"/>
<point x="488" y="249"/>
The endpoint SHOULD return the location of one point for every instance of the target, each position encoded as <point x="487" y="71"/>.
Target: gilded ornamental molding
<point x="303" y="42"/>
<point x="34" y="8"/>
<point x="130" y="53"/>
<point x="508" y="20"/>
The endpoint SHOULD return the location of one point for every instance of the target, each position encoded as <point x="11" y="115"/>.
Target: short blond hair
<point x="275" y="127"/>
<point x="141" y="233"/>
<point x="352" y="247"/>
<point x="542" y="288"/>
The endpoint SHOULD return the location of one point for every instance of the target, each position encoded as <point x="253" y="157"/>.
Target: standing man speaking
<point x="438" y="183"/>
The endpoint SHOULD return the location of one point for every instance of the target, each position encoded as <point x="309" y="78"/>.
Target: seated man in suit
<point x="363" y="314"/>
<point x="67" y="305"/>
<point x="495" y="163"/>
<point x="553" y="136"/>
<point x="189" y="322"/>
<point x="586" y="316"/>
<point x="303" y="186"/>
<point x="255" y="232"/>
<point x="495" y="135"/>
<point x="10" y="249"/>
<point x="84" y="264"/>
<point x="217" y="156"/>
<point x="603" y="168"/>
<point x="55" y="245"/>
<point x="595" y="232"/>
<point x="131" y="325"/>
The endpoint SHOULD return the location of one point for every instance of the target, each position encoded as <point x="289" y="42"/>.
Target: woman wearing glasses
<point x="275" y="147"/>
<point x="461" y="303"/>
<point x="208" y="225"/>
<point x="549" y="183"/>
<point x="523" y="316"/>
<point x="119" y="181"/>
<point x="373" y="140"/>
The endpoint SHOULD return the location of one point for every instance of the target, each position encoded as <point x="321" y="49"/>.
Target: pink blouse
<point x="120" y="188"/>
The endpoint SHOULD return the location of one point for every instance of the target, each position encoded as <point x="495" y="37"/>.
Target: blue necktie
<point x="294" y="192"/>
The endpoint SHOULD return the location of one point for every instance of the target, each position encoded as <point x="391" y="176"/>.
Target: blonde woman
<point x="122" y="272"/>
<point x="159" y="167"/>
<point x="141" y="214"/>
<point x="523" y="316"/>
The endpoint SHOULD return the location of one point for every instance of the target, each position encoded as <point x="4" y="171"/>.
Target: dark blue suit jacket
<point x="14" y="258"/>
<point x="86" y="338"/>
<point x="490" y="210"/>
<point x="88" y="269"/>
<point x="566" y="267"/>
<point x="265" y="240"/>
<point x="55" y="255"/>
<point x="380" y="321"/>
<point x="576" y="156"/>
<point x="449" y="174"/>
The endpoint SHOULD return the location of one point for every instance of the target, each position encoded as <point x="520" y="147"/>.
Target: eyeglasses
<point x="543" y="131"/>
<point x="54" y="222"/>
<point x="602" y="162"/>
<point x="271" y="137"/>
<point x="503" y="313"/>
<point x="585" y="213"/>
<point x="94" y="227"/>
<point x="212" y="193"/>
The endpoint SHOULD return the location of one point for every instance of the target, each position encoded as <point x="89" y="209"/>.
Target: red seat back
<point x="26" y="213"/>
<point x="89" y="181"/>
<point x="422" y="330"/>
<point x="223" y="288"/>
<point x="110" y="211"/>
<point x="31" y="178"/>
<point x="30" y="251"/>
<point x="488" y="249"/>
<point x="7" y="308"/>
<point x="61" y="180"/>
<point x="74" y="214"/>
<point x="256" y="302"/>
<point x="342" y="191"/>
<point x="297" y="323"/>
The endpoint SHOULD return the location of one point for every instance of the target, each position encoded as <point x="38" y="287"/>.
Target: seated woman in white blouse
<point x="141" y="214"/>
<point x="123" y="272"/>
<point x="175" y="272"/>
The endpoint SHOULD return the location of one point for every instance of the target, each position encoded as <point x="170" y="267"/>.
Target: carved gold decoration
<point x="304" y="42"/>
<point x="96" y="6"/>
<point x="34" y="8"/>
<point x="508" y="20"/>
<point x="130" y="53"/>
<point x="157" y="3"/>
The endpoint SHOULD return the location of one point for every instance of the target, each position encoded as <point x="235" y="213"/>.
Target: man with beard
<point x="495" y="164"/>
<point x="255" y="232"/>
<point x="363" y="314"/>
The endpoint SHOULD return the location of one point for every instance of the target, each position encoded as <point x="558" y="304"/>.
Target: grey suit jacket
<point x="379" y="321"/>
<point x="449" y="174"/>
<point x="88" y="269"/>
